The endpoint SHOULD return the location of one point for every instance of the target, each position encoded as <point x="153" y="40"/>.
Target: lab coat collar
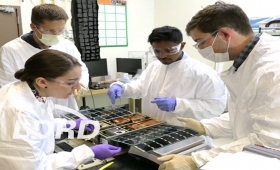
<point x="230" y="71"/>
<point x="184" y="55"/>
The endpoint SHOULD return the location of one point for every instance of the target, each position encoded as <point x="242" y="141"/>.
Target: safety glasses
<point x="50" y="31"/>
<point x="203" y="40"/>
<point x="62" y="83"/>
<point x="166" y="51"/>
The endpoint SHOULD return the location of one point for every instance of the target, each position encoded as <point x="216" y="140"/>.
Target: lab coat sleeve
<point x="85" y="75"/>
<point x="210" y="99"/>
<point x="202" y="157"/>
<point x="262" y="120"/>
<point x="6" y="70"/>
<point x="218" y="127"/>
<point x="134" y="88"/>
<point x="24" y="152"/>
<point x="69" y="160"/>
<point x="59" y="122"/>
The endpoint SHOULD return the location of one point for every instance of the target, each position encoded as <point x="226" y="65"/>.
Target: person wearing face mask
<point x="222" y="32"/>
<point x="209" y="53"/>
<point x="48" y="25"/>
<point x="26" y="115"/>
<point x="175" y="85"/>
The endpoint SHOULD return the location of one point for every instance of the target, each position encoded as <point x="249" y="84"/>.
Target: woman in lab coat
<point x="26" y="141"/>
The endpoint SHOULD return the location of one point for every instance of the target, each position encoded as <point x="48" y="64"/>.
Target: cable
<point x="32" y="2"/>
<point x="92" y="98"/>
<point x="120" y="100"/>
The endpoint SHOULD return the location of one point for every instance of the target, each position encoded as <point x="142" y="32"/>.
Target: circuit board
<point x="101" y="114"/>
<point x="155" y="137"/>
<point x="119" y="126"/>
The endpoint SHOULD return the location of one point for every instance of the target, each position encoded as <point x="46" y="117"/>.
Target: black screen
<point x="129" y="65"/>
<point x="97" y="68"/>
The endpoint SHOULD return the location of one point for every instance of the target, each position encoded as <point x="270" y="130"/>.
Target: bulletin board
<point x="112" y="23"/>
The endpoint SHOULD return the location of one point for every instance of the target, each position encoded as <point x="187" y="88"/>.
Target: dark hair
<point x="219" y="15"/>
<point x="47" y="12"/>
<point x="166" y="33"/>
<point x="46" y="64"/>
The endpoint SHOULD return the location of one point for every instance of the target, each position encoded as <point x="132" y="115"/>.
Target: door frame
<point x="18" y="14"/>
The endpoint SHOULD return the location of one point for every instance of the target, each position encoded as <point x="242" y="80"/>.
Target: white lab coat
<point x="198" y="90"/>
<point x="15" y="53"/>
<point x="17" y="102"/>
<point x="254" y="103"/>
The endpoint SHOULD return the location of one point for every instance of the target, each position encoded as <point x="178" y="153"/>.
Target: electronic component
<point x="116" y="131"/>
<point x="155" y="137"/>
<point x="262" y="150"/>
<point x="100" y="114"/>
<point x="143" y="135"/>
<point x="64" y="146"/>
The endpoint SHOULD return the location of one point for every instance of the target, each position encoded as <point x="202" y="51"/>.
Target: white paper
<point x="242" y="161"/>
<point x="111" y="25"/>
<point x="111" y="33"/>
<point x="110" y="17"/>
<point x="102" y="33"/>
<point x="121" y="41"/>
<point x="120" y="9"/>
<point x="101" y="25"/>
<point x="110" y="9"/>
<point x="121" y="33"/>
<point x="121" y="25"/>
<point x="111" y="41"/>
<point x="101" y="17"/>
<point x="102" y="41"/>
<point x="120" y="17"/>
<point x="101" y="8"/>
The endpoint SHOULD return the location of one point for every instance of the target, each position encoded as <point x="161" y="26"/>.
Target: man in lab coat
<point x="175" y="85"/>
<point x="48" y="25"/>
<point x="222" y="32"/>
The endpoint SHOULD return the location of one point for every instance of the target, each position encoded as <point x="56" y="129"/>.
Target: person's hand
<point x="193" y="124"/>
<point x="82" y="92"/>
<point x="104" y="151"/>
<point x="177" y="162"/>
<point x="165" y="103"/>
<point x="90" y="127"/>
<point x="115" y="92"/>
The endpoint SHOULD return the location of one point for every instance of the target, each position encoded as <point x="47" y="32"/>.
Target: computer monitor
<point x="129" y="65"/>
<point x="97" y="67"/>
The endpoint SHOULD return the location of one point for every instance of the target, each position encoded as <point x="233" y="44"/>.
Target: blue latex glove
<point x="90" y="127"/>
<point x="165" y="103"/>
<point x="115" y="92"/>
<point x="104" y="151"/>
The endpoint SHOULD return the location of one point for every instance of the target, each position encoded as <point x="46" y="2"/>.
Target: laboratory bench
<point x="99" y="98"/>
<point x="128" y="162"/>
<point x="122" y="161"/>
<point x="142" y="139"/>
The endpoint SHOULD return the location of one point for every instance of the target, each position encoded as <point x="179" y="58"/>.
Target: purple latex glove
<point x="115" y="92"/>
<point x="165" y="103"/>
<point x="89" y="127"/>
<point x="104" y="151"/>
